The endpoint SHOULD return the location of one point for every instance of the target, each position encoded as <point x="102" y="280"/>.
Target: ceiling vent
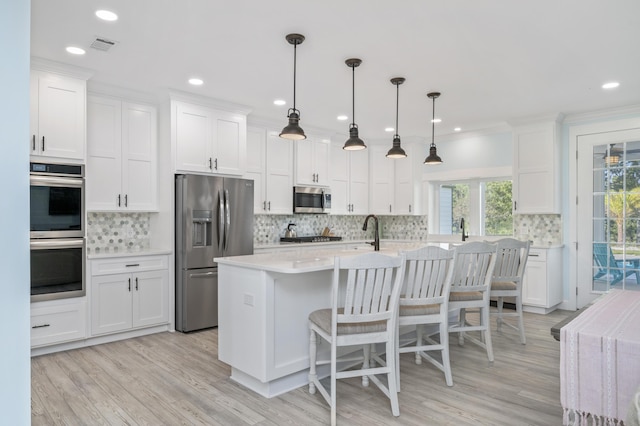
<point x="102" y="44"/>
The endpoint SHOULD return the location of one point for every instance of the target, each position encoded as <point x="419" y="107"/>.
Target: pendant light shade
<point x="293" y="130"/>
<point x="433" y="157"/>
<point x="396" y="150"/>
<point x="354" y="143"/>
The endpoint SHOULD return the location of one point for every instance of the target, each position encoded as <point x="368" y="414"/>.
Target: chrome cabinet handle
<point x="43" y="143"/>
<point x="118" y="200"/>
<point x="129" y="284"/>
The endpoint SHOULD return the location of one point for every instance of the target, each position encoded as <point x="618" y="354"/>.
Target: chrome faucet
<point x="376" y="234"/>
<point x="464" y="235"/>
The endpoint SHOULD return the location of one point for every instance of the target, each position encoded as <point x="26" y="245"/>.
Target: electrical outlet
<point x="524" y="230"/>
<point x="248" y="299"/>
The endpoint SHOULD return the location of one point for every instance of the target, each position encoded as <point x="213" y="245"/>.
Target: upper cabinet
<point x="536" y="173"/>
<point x="349" y="181"/>
<point x="208" y="140"/>
<point x="57" y="116"/>
<point x="270" y="165"/>
<point x="382" y="181"/>
<point x="408" y="181"/>
<point x="312" y="161"/>
<point x="121" y="162"/>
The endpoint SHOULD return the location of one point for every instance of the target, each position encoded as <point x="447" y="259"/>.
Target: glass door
<point x="608" y="221"/>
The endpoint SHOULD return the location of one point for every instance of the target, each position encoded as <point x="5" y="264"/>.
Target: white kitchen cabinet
<point x="536" y="175"/>
<point x="270" y="165"/>
<point x="209" y="140"/>
<point x="349" y="181"/>
<point x="121" y="172"/>
<point x="408" y="181"/>
<point x="58" y="321"/>
<point x="57" y="116"/>
<point x="312" y="161"/>
<point x="128" y="293"/>
<point x="382" y="171"/>
<point x="542" y="281"/>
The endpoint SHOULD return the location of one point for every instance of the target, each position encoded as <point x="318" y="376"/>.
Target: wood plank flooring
<point x="176" y="379"/>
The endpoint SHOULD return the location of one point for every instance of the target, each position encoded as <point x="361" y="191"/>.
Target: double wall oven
<point x="57" y="231"/>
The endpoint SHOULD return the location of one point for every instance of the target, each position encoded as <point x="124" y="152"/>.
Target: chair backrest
<point x="474" y="264"/>
<point x="367" y="287"/>
<point x="511" y="260"/>
<point x="427" y="276"/>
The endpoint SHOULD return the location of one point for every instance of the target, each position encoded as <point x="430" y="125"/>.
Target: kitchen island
<point x="264" y="303"/>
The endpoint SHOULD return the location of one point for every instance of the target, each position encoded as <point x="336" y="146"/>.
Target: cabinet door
<point x="534" y="284"/>
<point x="279" y="175"/>
<point x="256" y="166"/>
<point x="382" y="181"/>
<point x="111" y="303"/>
<point x="230" y="143"/>
<point x="139" y="157"/>
<point x="61" y="117"/>
<point x="305" y="173"/>
<point x="340" y="202"/>
<point x="193" y="139"/>
<point x="321" y="161"/>
<point x="150" y="291"/>
<point x="403" y="202"/>
<point x="359" y="181"/>
<point x="104" y="159"/>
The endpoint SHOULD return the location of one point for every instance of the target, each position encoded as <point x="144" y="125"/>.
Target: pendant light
<point x="354" y="143"/>
<point x="293" y="130"/>
<point x="396" y="150"/>
<point x="433" y="155"/>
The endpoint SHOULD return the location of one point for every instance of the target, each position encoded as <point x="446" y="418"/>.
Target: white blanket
<point x="600" y="360"/>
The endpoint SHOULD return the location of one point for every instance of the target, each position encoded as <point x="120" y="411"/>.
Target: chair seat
<point x="413" y="310"/>
<point x="504" y="285"/>
<point x="322" y="318"/>
<point x="456" y="296"/>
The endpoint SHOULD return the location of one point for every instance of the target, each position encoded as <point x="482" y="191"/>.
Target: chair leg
<point x="366" y="350"/>
<point x="312" y="361"/>
<point x="444" y="341"/>
<point x="487" y="332"/>
<point x="462" y="322"/>
<point x="333" y="381"/>
<point x="418" y="343"/>
<point x="392" y="380"/>
<point x="523" y="339"/>
<point x="499" y="304"/>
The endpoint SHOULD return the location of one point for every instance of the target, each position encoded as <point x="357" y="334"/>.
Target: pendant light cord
<point x="397" y="103"/>
<point x="433" y="121"/>
<point x="295" y="45"/>
<point x="353" y="96"/>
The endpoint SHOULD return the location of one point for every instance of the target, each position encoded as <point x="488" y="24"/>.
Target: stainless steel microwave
<point x="309" y="199"/>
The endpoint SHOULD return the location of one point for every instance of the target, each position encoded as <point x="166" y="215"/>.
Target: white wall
<point x="15" y="377"/>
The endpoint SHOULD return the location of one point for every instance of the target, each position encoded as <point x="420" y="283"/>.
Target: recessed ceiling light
<point x="75" y="50"/>
<point x="389" y="129"/>
<point x="106" y="15"/>
<point x="196" y="81"/>
<point x="457" y="129"/>
<point x="611" y="85"/>
<point x="436" y="120"/>
<point x="343" y="117"/>
<point x="279" y="102"/>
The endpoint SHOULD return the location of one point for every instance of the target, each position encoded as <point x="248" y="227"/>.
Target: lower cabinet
<point x="58" y="321"/>
<point x="128" y="293"/>
<point x="542" y="281"/>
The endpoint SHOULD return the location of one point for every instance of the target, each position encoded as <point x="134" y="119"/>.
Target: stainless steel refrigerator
<point x="214" y="218"/>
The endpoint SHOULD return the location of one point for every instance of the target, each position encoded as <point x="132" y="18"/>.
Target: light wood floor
<point x="175" y="378"/>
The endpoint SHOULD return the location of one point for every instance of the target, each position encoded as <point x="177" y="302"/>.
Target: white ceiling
<point x="495" y="61"/>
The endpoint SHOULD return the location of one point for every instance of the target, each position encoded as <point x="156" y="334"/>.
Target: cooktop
<point x="309" y="239"/>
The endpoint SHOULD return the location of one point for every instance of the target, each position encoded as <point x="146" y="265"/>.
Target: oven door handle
<point x="60" y="243"/>
<point x="36" y="180"/>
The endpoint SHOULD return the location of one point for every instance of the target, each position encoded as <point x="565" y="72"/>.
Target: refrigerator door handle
<point x="221" y="227"/>
<point x="227" y="222"/>
<point x="202" y="275"/>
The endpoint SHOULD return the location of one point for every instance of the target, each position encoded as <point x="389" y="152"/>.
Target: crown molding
<point x="47" y="65"/>
<point x="177" y="95"/>
<point x="602" y="114"/>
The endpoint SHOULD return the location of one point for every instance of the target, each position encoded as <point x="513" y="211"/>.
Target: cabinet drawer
<point x="537" y="255"/>
<point x="57" y="322"/>
<point x="128" y="264"/>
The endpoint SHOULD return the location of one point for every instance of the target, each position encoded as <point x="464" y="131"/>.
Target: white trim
<point x="47" y="65"/>
<point x="176" y="95"/>
<point x="574" y="133"/>
<point x="602" y="114"/>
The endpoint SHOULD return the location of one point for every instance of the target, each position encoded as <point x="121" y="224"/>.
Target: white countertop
<point x="128" y="253"/>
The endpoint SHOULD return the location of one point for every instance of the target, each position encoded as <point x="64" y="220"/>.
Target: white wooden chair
<point x="425" y="301"/>
<point x="474" y="263"/>
<point x="511" y="261"/>
<point x="364" y="311"/>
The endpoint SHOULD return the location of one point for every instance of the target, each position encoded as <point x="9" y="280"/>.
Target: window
<point x="485" y="206"/>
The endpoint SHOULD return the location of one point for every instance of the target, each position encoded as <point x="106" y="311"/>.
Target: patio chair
<point x="608" y="265"/>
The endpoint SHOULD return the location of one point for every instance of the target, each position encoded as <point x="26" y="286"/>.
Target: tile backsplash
<point x="123" y="232"/>
<point x="117" y="232"/>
